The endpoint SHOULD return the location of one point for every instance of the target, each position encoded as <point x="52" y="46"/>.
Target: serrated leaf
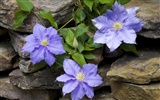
<point x="70" y="38"/>
<point x="129" y="48"/>
<point x="79" y="58"/>
<point x="48" y="15"/>
<point x="81" y="29"/>
<point x="123" y="1"/>
<point x="19" y="18"/>
<point x="89" y="3"/>
<point x="106" y="1"/>
<point x="25" y="5"/>
<point x="89" y="55"/>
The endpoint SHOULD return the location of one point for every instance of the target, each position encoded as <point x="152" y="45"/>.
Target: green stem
<point x="39" y="18"/>
<point x="65" y="24"/>
<point x="58" y="64"/>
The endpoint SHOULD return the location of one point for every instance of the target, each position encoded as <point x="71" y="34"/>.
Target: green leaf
<point x="81" y="29"/>
<point x="70" y="38"/>
<point x="89" y="3"/>
<point x="25" y="5"/>
<point x="123" y="1"/>
<point x="39" y="65"/>
<point x="80" y="46"/>
<point x="129" y="48"/>
<point x="63" y="32"/>
<point x="48" y="15"/>
<point x="19" y="18"/>
<point x="89" y="55"/>
<point x="79" y="58"/>
<point x="68" y="48"/>
<point x="79" y="16"/>
<point x="106" y="1"/>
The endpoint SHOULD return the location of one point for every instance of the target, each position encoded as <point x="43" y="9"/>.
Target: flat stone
<point x="7" y="54"/>
<point x="129" y="91"/>
<point x="18" y="41"/>
<point x="139" y="70"/>
<point x="26" y="66"/>
<point x="9" y="91"/>
<point x="153" y="34"/>
<point x="148" y="12"/>
<point x="60" y="9"/>
<point x="43" y="79"/>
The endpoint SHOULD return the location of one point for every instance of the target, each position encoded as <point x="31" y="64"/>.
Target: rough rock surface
<point x="139" y="70"/>
<point x="153" y="34"/>
<point x="17" y="41"/>
<point x="148" y="12"/>
<point x="128" y="91"/>
<point x="7" y="54"/>
<point x="9" y="91"/>
<point x="43" y="79"/>
<point x="60" y="9"/>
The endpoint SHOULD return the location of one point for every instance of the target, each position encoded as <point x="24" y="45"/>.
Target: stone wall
<point x="130" y="77"/>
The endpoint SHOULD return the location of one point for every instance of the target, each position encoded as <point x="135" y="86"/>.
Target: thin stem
<point x="58" y="64"/>
<point x="65" y="24"/>
<point x="39" y="18"/>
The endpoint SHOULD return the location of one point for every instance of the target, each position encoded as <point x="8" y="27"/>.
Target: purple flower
<point x="116" y="26"/>
<point x="79" y="81"/>
<point x="42" y="44"/>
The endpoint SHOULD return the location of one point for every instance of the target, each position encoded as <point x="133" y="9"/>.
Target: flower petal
<point x="102" y="23"/>
<point x="29" y="47"/>
<point x="99" y="37"/>
<point x="111" y="15"/>
<point x="37" y="55"/>
<point x="88" y="90"/>
<point x="38" y="31"/>
<point x="51" y="31"/>
<point x="64" y="78"/>
<point x="89" y="68"/>
<point x="71" y="67"/>
<point x="49" y="58"/>
<point x="30" y="38"/>
<point x="132" y="11"/>
<point x="69" y="86"/>
<point x="78" y="93"/>
<point x="128" y="36"/>
<point x="93" y="80"/>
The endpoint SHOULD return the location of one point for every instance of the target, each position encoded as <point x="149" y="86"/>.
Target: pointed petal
<point x="71" y="67"/>
<point x="69" y="86"/>
<point x="128" y="36"/>
<point x="29" y="47"/>
<point x="37" y="55"/>
<point x="102" y="23"/>
<point x="99" y="37"/>
<point x="90" y="68"/>
<point x="38" y="31"/>
<point x="132" y="11"/>
<point x="30" y="38"/>
<point x="64" y="78"/>
<point x="51" y="31"/>
<point x="88" y="90"/>
<point x="93" y="80"/>
<point x="49" y="58"/>
<point x="78" y="93"/>
<point x="111" y="15"/>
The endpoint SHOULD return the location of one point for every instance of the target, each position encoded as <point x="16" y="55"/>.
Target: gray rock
<point x="26" y="66"/>
<point x="143" y="69"/>
<point x="153" y="34"/>
<point x="17" y="41"/>
<point x="129" y="91"/>
<point x="7" y="54"/>
<point x="60" y="9"/>
<point x="44" y="79"/>
<point x="148" y="12"/>
<point x="9" y="91"/>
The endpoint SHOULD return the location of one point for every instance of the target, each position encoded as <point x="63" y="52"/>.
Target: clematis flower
<point x="42" y="44"/>
<point x="116" y="26"/>
<point x="79" y="81"/>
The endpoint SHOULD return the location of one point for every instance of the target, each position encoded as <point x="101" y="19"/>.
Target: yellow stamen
<point x="80" y="76"/>
<point x="44" y="42"/>
<point x="117" y="26"/>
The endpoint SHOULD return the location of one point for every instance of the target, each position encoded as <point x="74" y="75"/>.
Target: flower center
<point x="80" y="76"/>
<point x="117" y="26"/>
<point x="44" y="42"/>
